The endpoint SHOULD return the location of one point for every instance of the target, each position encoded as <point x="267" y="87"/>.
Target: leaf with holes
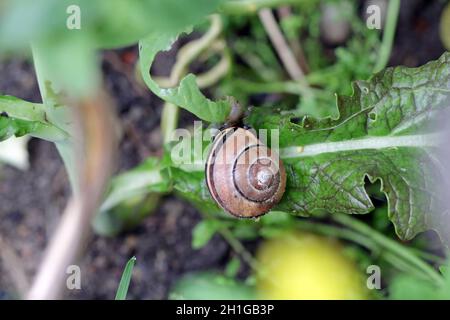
<point x="187" y="94"/>
<point x="387" y="131"/>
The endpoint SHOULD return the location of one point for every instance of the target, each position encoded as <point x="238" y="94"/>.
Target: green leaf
<point x="409" y="287"/>
<point x="191" y="186"/>
<point x="386" y="131"/>
<point x="131" y="197"/>
<point x="125" y="280"/>
<point x="406" y="287"/>
<point x="210" y="286"/>
<point x="102" y="24"/>
<point x="107" y="23"/>
<point x="187" y="95"/>
<point x="19" y="117"/>
<point x="232" y="268"/>
<point x="204" y="231"/>
<point x="145" y="178"/>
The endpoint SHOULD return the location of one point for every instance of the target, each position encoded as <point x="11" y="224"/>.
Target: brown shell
<point x="244" y="176"/>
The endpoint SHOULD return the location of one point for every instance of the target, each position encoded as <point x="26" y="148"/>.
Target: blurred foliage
<point x="131" y="197"/>
<point x="204" y="231"/>
<point x="331" y="70"/>
<point x="210" y="286"/>
<point x="104" y="24"/>
<point x="408" y="287"/>
<point x="187" y="94"/>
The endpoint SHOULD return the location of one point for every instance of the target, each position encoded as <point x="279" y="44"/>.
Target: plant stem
<point x="252" y="6"/>
<point x="429" y="256"/>
<point x="403" y="265"/>
<point x="216" y="73"/>
<point x="239" y="248"/>
<point x="281" y="46"/>
<point x="65" y="148"/>
<point x="194" y="48"/>
<point x="285" y="12"/>
<point x="257" y="65"/>
<point x="234" y="243"/>
<point x="364" y="241"/>
<point x="330" y="230"/>
<point x="185" y="56"/>
<point x="89" y="157"/>
<point x="169" y="121"/>
<point x="291" y="87"/>
<point x="388" y="35"/>
<point x="388" y="244"/>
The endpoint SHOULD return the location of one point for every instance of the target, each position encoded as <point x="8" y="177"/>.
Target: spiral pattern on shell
<point x="243" y="175"/>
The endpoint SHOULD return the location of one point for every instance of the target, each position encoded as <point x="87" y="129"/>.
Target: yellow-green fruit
<point x="445" y="27"/>
<point x="306" y="266"/>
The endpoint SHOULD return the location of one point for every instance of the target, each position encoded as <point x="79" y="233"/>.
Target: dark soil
<point x="417" y="39"/>
<point x="31" y="202"/>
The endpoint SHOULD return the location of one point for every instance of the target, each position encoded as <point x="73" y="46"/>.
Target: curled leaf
<point x="187" y="94"/>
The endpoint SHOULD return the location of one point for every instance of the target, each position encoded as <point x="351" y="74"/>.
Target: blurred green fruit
<point x="305" y="266"/>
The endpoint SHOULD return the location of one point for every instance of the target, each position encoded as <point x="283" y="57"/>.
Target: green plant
<point x="210" y="285"/>
<point x="408" y="287"/>
<point x="124" y="283"/>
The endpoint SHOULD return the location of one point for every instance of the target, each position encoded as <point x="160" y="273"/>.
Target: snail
<point x="243" y="175"/>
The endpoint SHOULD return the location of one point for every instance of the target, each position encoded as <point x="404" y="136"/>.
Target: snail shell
<point x="243" y="175"/>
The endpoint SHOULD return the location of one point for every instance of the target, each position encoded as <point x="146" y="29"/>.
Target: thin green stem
<point x="216" y="73"/>
<point x="234" y="243"/>
<point x="429" y="256"/>
<point x="246" y="7"/>
<point x="185" y="56"/>
<point x="364" y="241"/>
<point x="388" y="244"/>
<point x="403" y="265"/>
<point x="193" y="49"/>
<point x="330" y="230"/>
<point x="290" y="87"/>
<point x="169" y="121"/>
<point x="388" y="35"/>
<point x="239" y="248"/>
